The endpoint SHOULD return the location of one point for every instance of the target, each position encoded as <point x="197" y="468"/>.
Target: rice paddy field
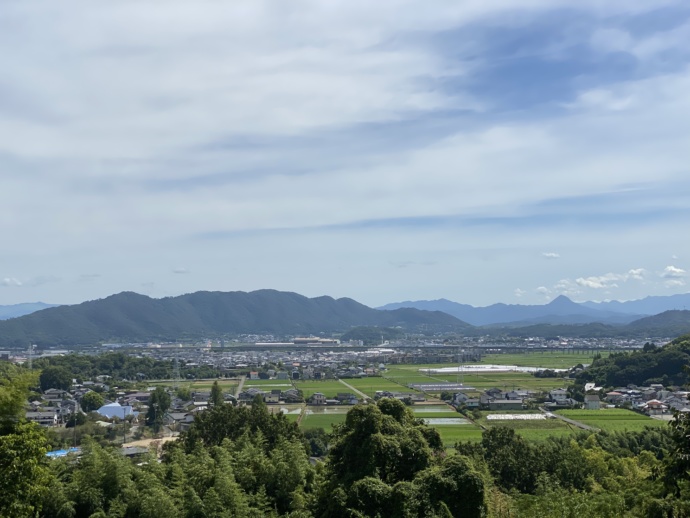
<point x="267" y="383"/>
<point x="370" y="385"/>
<point x="329" y="388"/>
<point x="227" y="385"/>
<point x="612" y="419"/>
<point x="409" y="374"/>
<point x="450" y="434"/>
<point x="532" y="429"/>
<point x="546" y="359"/>
<point x="323" y="420"/>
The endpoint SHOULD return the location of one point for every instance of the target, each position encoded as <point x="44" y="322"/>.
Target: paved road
<point x="353" y="389"/>
<point x="571" y="421"/>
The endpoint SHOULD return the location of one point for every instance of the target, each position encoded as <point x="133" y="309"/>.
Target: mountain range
<point x="561" y="310"/>
<point x="131" y="317"/>
<point x="19" y="310"/>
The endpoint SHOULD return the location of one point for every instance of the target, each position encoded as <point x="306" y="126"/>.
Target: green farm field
<point x="225" y="384"/>
<point x="450" y="434"/>
<point x="329" y="388"/>
<point x="325" y="421"/>
<point x="480" y="381"/>
<point x="370" y="385"/>
<point x="267" y="383"/>
<point x="546" y="359"/>
<point x="533" y="430"/>
<point x="612" y="419"/>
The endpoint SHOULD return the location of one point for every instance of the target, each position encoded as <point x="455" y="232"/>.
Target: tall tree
<point x="55" y="378"/>
<point x="91" y="401"/>
<point x="14" y="390"/>
<point x="216" y="394"/>
<point x="24" y="472"/>
<point x="159" y="403"/>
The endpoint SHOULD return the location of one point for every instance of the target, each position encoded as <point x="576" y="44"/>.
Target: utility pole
<point x="74" y="423"/>
<point x="176" y="373"/>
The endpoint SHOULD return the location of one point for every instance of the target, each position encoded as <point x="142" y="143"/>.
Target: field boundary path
<point x="572" y="422"/>
<point x="364" y="396"/>
<point x="302" y="413"/>
<point x="240" y="385"/>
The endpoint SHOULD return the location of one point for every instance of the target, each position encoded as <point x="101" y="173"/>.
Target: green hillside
<point x="132" y="317"/>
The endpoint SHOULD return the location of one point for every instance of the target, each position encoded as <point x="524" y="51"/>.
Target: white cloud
<point x="674" y="276"/>
<point x="105" y="108"/>
<point x="519" y="292"/>
<point x="551" y="255"/>
<point x="181" y="270"/>
<point x="608" y="280"/>
<point x="11" y="281"/>
<point x="672" y="272"/>
<point x="637" y="274"/>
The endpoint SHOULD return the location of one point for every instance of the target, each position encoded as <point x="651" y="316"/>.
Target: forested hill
<point x="132" y="317"/>
<point x="665" y="365"/>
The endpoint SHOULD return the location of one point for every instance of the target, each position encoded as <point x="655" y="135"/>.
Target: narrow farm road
<point x="353" y="389"/>
<point x="572" y="422"/>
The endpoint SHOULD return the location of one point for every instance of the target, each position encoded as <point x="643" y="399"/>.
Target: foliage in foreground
<point x="246" y="462"/>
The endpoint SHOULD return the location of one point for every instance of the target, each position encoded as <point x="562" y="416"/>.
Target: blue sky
<point x="477" y="151"/>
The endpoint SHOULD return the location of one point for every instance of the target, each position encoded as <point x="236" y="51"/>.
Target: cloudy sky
<point x="479" y="151"/>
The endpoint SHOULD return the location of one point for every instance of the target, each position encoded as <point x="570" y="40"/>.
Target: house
<point x="292" y="396"/>
<point x="272" y="397"/>
<point x="345" y="398"/>
<point x="253" y="375"/>
<point x="654" y="407"/>
<point x="592" y="402"/>
<point x="249" y="394"/>
<point x="558" y="395"/>
<point x="43" y="418"/>
<point x="282" y="376"/>
<point x="317" y="398"/>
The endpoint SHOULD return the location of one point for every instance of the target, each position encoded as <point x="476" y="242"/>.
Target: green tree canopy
<point x="159" y="403"/>
<point x="54" y="377"/>
<point x="91" y="401"/>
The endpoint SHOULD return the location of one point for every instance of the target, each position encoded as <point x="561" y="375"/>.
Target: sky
<point x="504" y="151"/>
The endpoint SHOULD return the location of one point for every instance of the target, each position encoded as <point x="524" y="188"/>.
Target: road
<point x="353" y="389"/>
<point x="241" y="384"/>
<point x="572" y="422"/>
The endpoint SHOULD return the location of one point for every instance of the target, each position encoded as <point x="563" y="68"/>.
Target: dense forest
<point x="666" y="365"/>
<point x="245" y="461"/>
<point x="120" y="366"/>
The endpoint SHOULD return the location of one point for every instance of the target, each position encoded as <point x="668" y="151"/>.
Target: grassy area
<point x="432" y="415"/>
<point x="546" y="359"/>
<point x="530" y="429"/>
<point x="450" y="434"/>
<point x="408" y="374"/>
<point x="325" y="421"/>
<point x="612" y="419"/>
<point x="225" y="384"/>
<point x="261" y="383"/>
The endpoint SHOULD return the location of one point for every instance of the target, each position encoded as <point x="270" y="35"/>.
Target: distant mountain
<point x="664" y="325"/>
<point x="672" y="323"/>
<point x="137" y="318"/>
<point x="561" y="310"/>
<point x="652" y="305"/>
<point x="19" y="310"/>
